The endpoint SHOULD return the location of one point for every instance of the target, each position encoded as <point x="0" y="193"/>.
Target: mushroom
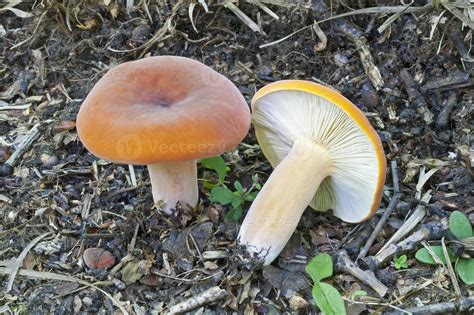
<point x="325" y="154"/>
<point x="164" y="112"/>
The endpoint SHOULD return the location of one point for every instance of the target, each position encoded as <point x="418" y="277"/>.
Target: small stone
<point x="97" y="258"/>
<point x="87" y="301"/>
<point x="65" y="125"/>
<point x="297" y="303"/>
<point x="369" y="96"/>
<point x="4" y="154"/>
<point x="210" y="265"/>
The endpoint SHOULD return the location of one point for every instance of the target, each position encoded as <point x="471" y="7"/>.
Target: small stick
<point x="26" y="143"/>
<point x="345" y="264"/>
<point x="357" y="37"/>
<point x="211" y="295"/>
<point x="429" y="231"/>
<point x="456" y="78"/>
<point x="387" y="213"/>
<point x="415" y="96"/>
<point x="455" y="307"/>
<point x="444" y="116"/>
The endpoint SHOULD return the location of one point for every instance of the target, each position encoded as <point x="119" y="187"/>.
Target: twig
<point x="387" y="213"/>
<point x="209" y="296"/>
<point x="86" y="206"/>
<point x="415" y="96"/>
<point x="356" y="36"/>
<point x="444" y="116"/>
<point x="26" y="143"/>
<point x="18" y="262"/>
<point x="60" y="277"/>
<point x="429" y="231"/>
<point x="459" y="306"/>
<point x="345" y="264"/>
<point x="453" y="79"/>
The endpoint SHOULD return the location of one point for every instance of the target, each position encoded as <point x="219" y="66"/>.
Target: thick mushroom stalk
<point x="173" y="182"/>
<point x="276" y="211"/>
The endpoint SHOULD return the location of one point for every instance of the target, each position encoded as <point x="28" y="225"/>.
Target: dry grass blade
<point x="60" y="277"/>
<point x="453" y="8"/>
<point x="159" y="35"/>
<point x="10" y="6"/>
<point x="243" y="17"/>
<point x="18" y="262"/>
<point x="32" y="35"/>
<point x="409" y="224"/>
<point x="265" y="8"/>
<point x="376" y="10"/>
<point x="428" y="247"/>
<point x="451" y="272"/>
<point x="393" y="18"/>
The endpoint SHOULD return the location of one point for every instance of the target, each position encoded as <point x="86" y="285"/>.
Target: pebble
<point x="98" y="258"/>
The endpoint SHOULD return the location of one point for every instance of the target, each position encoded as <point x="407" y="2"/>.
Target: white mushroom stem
<point x="276" y="211"/>
<point x="173" y="182"/>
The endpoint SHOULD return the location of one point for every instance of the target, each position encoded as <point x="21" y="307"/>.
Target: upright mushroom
<point x="325" y="154"/>
<point x="165" y="112"/>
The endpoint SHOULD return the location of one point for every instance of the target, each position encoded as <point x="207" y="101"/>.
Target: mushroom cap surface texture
<point x="286" y="110"/>
<point x="162" y="109"/>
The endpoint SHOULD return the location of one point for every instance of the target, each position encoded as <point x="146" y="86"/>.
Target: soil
<point x="51" y="60"/>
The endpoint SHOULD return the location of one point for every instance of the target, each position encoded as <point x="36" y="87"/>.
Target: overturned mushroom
<point x="165" y="112"/>
<point x="325" y="154"/>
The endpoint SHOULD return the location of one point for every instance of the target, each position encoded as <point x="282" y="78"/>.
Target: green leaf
<point x="424" y="256"/>
<point x="223" y="195"/>
<point x="401" y="262"/>
<point x="208" y="185"/>
<point x="250" y="197"/>
<point x="238" y="186"/>
<point x="320" y="267"/>
<point x="358" y="293"/>
<point x="237" y="202"/>
<point x="328" y="299"/>
<point x="217" y="164"/>
<point x="234" y="214"/>
<point x="460" y="225"/>
<point x="465" y="270"/>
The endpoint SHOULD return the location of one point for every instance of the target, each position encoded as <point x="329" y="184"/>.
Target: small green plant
<point x="461" y="228"/>
<point x="400" y="262"/>
<point x="220" y="193"/>
<point x="328" y="299"/>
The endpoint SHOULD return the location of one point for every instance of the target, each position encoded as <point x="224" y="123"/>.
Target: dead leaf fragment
<point x="297" y="303"/>
<point x="98" y="258"/>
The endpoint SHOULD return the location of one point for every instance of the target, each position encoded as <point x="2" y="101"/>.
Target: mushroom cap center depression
<point x="162" y="109"/>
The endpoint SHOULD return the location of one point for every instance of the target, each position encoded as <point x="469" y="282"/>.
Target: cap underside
<point x="353" y="188"/>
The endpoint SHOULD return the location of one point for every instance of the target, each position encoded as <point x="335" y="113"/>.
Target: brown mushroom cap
<point x="162" y="109"/>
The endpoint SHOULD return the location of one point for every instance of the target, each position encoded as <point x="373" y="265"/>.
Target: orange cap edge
<point x="348" y="107"/>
